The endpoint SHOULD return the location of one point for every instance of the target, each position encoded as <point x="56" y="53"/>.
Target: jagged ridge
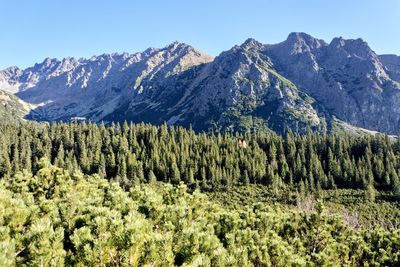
<point x="299" y="83"/>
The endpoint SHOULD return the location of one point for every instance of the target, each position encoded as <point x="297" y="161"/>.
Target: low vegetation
<point x="56" y="218"/>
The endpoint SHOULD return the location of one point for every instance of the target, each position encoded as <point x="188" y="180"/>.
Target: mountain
<point x="239" y="88"/>
<point x="345" y="76"/>
<point x="302" y="82"/>
<point x="94" y="87"/>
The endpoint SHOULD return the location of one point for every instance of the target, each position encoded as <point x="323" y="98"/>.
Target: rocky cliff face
<point x="300" y="83"/>
<point x="392" y="64"/>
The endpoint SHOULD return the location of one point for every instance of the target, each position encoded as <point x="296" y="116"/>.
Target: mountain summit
<point x="302" y="82"/>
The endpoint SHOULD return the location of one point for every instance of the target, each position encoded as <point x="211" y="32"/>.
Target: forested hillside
<point x="56" y="218"/>
<point x="138" y="153"/>
<point x="84" y="194"/>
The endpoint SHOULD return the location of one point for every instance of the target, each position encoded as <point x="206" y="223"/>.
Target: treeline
<point x="141" y="153"/>
<point x="60" y="219"/>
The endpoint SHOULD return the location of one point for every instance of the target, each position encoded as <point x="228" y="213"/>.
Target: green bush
<point x="55" y="218"/>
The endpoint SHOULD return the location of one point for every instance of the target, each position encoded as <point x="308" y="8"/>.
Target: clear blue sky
<point x="32" y="30"/>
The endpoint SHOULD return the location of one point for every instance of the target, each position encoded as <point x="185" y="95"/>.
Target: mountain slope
<point x="12" y="108"/>
<point x="392" y="63"/>
<point x="302" y="82"/>
<point x="94" y="87"/>
<point x="242" y="89"/>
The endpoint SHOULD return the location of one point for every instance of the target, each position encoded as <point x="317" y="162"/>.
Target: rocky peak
<point x="295" y="37"/>
<point x="251" y="43"/>
<point x="337" y="42"/>
<point x="359" y="58"/>
<point x="178" y="48"/>
<point x="179" y="56"/>
<point x="249" y="51"/>
<point x="39" y="69"/>
<point x="301" y="42"/>
<point x="182" y="49"/>
<point x="357" y="47"/>
<point x="174" y="45"/>
<point x="47" y="62"/>
<point x="351" y="48"/>
<point x="11" y="72"/>
<point x="68" y="63"/>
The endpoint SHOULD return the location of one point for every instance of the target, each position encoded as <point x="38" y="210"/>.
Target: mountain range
<point x="301" y="83"/>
